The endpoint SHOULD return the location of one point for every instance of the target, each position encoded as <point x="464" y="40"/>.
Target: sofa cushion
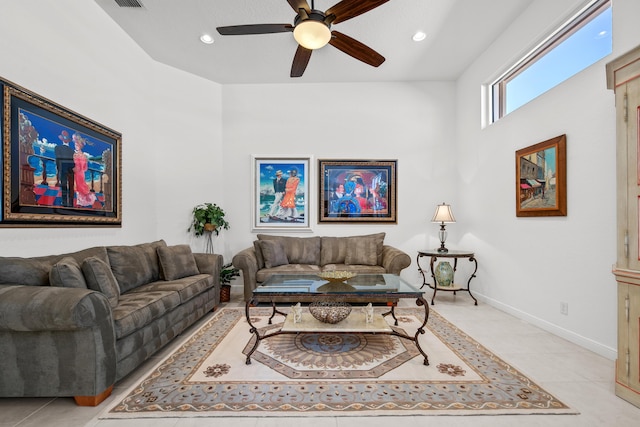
<point x="334" y="249"/>
<point x="100" y="278"/>
<point x="356" y="268"/>
<point x="186" y="287"/>
<point x="265" y="273"/>
<point x="299" y="250"/>
<point x="136" y="265"/>
<point x="34" y="271"/>
<point x="177" y="262"/>
<point x="273" y="253"/>
<point x="137" y="309"/>
<point x="66" y="273"/>
<point x="361" y="250"/>
<point x="81" y="255"/>
<point x="24" y="271"/>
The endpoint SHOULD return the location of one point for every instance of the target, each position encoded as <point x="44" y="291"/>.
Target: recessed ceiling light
<point x="206" y="38"/>
<point x="419" y="36"/>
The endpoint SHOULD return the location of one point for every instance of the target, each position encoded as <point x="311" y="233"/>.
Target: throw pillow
<point x="177" y="262"/>
<point x="66" y="273"/>
<point x="100" y="278"/>
<point x="362" y="251"/>
<point x="259" y="258"/>
<point x="273" y="253"/>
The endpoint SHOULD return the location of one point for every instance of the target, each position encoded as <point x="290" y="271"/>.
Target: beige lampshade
<point x="443" y="214"/>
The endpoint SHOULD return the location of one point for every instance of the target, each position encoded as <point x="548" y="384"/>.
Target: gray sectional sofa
<point x="74" y="324"/>
<point x="269" y="255"/>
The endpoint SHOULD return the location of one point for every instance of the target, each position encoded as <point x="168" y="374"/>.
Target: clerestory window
<point x="580" y="42"/>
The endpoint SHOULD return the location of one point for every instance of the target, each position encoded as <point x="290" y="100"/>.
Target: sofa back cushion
<point x="134" y="266"/>
<point x="99" y="252"/>
<point x="25" y="271"/>
<point x="177" y="262"/>
<point x="35" y="271"/>
<point x="66" y="273"/>
<point x="299" y="250"/>
<point x="366" y="248"/>
<point x="100" y="278"/>
<point x="362" y="251"/>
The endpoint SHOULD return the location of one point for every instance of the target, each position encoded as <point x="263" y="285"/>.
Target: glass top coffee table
<point x="362" y="289"/>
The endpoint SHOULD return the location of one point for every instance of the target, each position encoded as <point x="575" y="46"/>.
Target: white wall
<point x="530" y="265"/>
<point x="411" y="122"/>
<point x="72" y="53"/>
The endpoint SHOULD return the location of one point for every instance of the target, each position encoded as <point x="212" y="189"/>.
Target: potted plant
<point x="227" y="274"/>
<point x="208" y="217"/>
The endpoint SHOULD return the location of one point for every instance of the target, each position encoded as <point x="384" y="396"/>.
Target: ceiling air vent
<point x="129" y="3"/>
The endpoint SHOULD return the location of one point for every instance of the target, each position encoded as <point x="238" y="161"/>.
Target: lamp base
<point x="443" y="236"/>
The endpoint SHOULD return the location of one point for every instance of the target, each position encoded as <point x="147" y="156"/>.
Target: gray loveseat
<point x="269" y="255"/>
<point x="74" y="324"/>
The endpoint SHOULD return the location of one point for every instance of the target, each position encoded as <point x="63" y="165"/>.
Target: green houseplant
<point x="227" y="274"/>
<point x="208" y="217"/>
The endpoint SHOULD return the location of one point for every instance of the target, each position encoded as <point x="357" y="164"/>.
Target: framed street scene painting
<point x="541" y="179"/>
<point x="357" y="191"/>
<point x="58" y="167"/>
<point x="281" y="193"/>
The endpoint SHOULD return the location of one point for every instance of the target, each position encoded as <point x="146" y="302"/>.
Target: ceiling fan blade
<point x="356" y="49"/>
<point x="240" y="30"/>
<point x="296" y="5"/>
<point x="300" y="61"/>
<point x="348" y="9"/>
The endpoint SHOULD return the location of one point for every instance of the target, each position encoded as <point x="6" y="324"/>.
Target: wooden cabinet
<point x="623" y="76"/>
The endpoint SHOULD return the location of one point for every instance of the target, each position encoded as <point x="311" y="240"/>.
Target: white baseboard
<point x="589" y="344"/>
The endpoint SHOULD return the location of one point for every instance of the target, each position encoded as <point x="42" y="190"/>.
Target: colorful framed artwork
<point x="281" y="193"/>
<point x="59" y="169"/>
<point x="541" y="179"/>
<point x="357" y="191"/>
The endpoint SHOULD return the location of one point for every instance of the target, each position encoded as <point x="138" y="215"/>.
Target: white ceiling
<point x="458" y="31"/>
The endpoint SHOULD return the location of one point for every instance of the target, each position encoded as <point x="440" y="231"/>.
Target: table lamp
<point x="444" y="216"/>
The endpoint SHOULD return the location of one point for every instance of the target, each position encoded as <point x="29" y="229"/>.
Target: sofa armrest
<point x="50" y="308"/>
<point x="394" y="260"/>
<point x="210" y="264"/>
<point x="56" y="342"/>
<point x="247" y="263"/>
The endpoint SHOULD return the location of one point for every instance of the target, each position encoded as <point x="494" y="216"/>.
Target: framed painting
<point x="59" y="169"/>
<point x="281" y="193"/>
<point x="541" y="179"/>
<point x="357" y="191"/>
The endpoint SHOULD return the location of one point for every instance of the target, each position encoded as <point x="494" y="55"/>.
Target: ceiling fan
<point x="312" y="30"/>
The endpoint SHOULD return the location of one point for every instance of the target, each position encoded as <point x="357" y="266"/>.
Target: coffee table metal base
<point x="336" y="328"/>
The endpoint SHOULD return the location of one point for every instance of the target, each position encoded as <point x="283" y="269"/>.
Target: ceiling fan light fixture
<point x="419" y="36"/>
<point x="206" y="39"/>
<point x="312" y="34"/>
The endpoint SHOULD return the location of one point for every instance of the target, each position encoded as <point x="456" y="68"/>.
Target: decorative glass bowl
<point x="337" y="276"/>
<point x="330" y="311"/>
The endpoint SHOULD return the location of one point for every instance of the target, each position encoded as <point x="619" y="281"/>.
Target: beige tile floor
<point x="578" y="377"/>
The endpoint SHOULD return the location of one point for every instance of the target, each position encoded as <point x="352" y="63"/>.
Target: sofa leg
<point x="93" y="400"/>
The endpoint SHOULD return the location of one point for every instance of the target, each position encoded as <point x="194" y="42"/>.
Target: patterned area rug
<point x="332" y="374"/>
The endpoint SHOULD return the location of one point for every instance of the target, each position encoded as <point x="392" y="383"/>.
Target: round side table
<point x="434" y="254"/>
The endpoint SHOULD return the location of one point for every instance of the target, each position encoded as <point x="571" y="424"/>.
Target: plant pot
<point x="225" y="293"/>
<point x="209" y="228"/>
